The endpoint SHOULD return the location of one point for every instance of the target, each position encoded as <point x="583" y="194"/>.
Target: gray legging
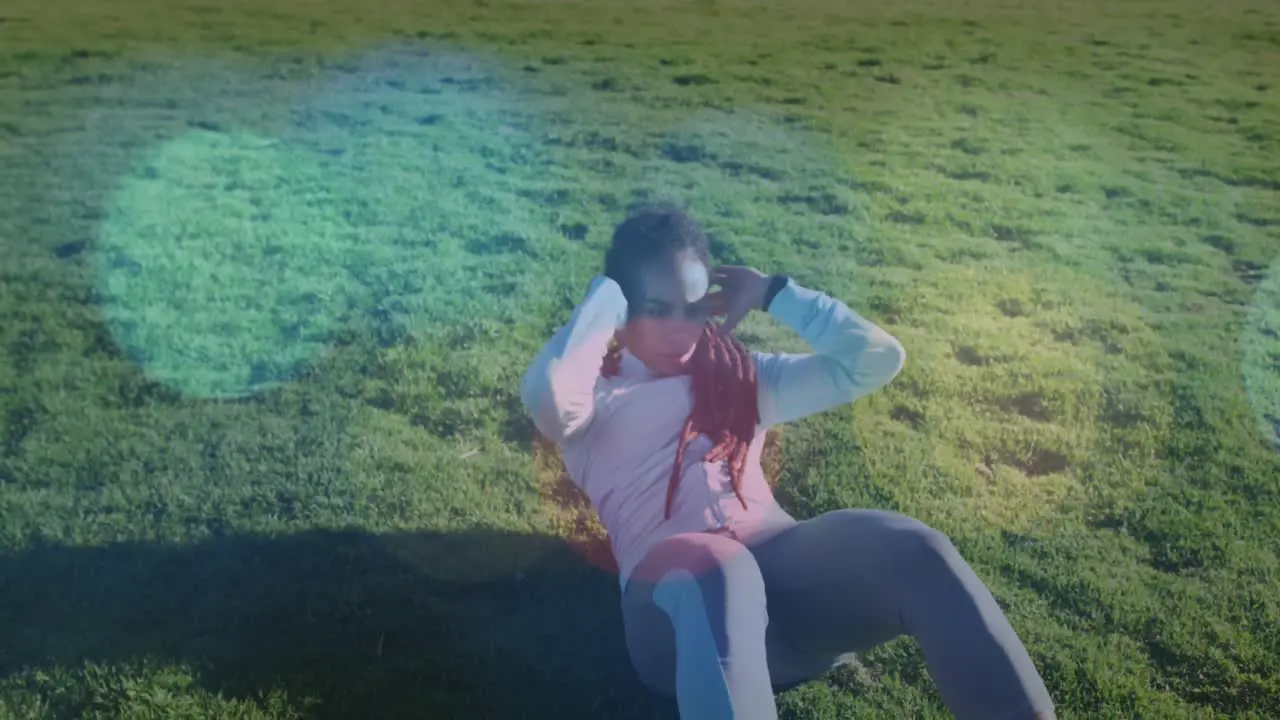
<point x="696" y="624"/>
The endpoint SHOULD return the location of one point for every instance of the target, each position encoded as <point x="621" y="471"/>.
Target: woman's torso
<point x="624" y="458"/>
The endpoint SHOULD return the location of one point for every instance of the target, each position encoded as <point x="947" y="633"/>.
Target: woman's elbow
<point x="896" y="358"/>
<point x="529" y="389"/>
<point x="555" y="415"/>
<point x="533" y="395"/>
<point x="880" y="364"/>
<point x="543" y="415"/>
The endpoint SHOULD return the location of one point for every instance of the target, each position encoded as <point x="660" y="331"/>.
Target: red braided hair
<point x="724" y="404"/>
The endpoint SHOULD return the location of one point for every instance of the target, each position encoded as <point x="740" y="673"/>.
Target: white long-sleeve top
<point x="618" y="436"/>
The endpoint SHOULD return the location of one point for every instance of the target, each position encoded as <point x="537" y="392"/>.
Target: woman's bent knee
<point x="705" y="589"/>
<point x="710" y="559"/>
<point x="902" y="540"/>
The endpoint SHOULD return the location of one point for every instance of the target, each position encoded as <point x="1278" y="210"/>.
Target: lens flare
<point x="218" y="263"/>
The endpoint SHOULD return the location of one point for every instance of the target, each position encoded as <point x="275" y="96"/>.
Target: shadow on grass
<point x="347" y="618"/>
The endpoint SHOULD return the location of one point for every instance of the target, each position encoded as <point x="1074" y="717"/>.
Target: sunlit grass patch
<point x="1007" y="390"/>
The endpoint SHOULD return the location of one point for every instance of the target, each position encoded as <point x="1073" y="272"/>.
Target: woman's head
<point x="660" y="258"/>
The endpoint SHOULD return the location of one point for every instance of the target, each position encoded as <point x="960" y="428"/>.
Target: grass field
<point x="270" y="272"/>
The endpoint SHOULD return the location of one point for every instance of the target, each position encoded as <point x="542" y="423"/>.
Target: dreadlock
<point x="724" y="374"/>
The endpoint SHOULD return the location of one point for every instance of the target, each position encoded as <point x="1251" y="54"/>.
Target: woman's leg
<point x="849" y="580"/>
<point x="694" y="617"/>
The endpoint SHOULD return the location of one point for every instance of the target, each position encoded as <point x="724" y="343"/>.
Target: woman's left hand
<point x="742" y="289"/>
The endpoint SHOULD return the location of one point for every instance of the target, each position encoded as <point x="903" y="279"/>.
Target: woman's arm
<point x="558" y="389"/>
<point x="851" y="357"/>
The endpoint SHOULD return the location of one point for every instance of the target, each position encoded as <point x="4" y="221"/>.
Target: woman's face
<point x="667" y="316"/>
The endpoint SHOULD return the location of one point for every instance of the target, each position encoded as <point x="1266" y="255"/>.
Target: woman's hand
<point x="742" y="289"/>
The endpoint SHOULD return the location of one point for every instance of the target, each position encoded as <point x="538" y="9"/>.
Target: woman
<point x="660" y="416"/>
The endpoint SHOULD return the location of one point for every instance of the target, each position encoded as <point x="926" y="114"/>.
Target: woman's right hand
<point x="742" y="289"/>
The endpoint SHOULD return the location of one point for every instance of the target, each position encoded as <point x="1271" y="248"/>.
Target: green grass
<point x="271" y="271"/>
